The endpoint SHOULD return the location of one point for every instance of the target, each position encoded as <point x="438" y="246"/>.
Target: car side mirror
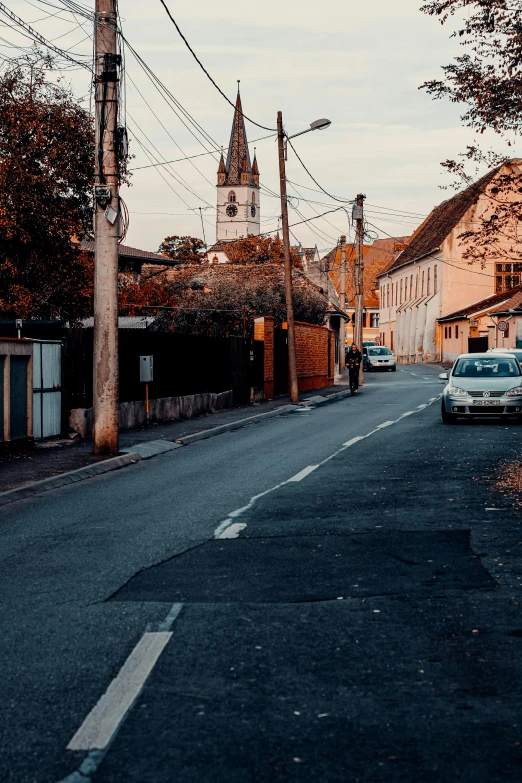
<point x="443" y="376"/>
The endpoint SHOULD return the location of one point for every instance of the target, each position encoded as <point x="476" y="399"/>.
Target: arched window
<point x="231" y="196"/>
<point x="253" y="198"/>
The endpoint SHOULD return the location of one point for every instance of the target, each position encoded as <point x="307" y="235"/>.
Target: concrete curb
<point x="330" y="398"/>
<point x="151" y="448"/>
<point x="148" y="449"/>
<point x="203" y="434"/>
<point x="37" y="487"/>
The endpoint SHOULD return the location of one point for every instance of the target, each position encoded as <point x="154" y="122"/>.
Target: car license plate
<point x="486" y="402"/>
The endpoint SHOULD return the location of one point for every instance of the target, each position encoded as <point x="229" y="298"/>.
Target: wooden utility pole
<point x="292" y="365"/>
<point x="358" y="216"/>
<point x="106" y="229"/>
<point x="342" y="305"/>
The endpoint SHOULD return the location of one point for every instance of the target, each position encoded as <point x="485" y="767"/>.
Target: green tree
<point x="46" y="174"/>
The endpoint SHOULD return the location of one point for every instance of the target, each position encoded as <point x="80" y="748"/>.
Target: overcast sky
<point x="357" y="63"/>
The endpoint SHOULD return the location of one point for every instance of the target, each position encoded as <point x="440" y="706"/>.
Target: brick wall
<point x="314" y="355"/>
<point x="264" y="330"/>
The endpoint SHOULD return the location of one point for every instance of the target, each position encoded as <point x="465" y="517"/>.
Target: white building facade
<point x="431" y="277"/>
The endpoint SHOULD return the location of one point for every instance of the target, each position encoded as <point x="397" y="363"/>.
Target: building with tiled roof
<point x="475" y="327"/>
<point x="432" y="277"/>
<point x="130" y="259"/>
<point x="238" y="203"/>
<point x="327" y="274"/>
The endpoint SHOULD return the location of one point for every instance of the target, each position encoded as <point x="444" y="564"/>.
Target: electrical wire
<point x="166" y="95"/>
<point x="30" y="33"/>
<point x="167" y="131"/>
<point x="172" y="173"/>
<point x="344" y="201"/>
<point x="264" y="127"/>
<point x="199" y="155"/>
<point x="441" y="260"/>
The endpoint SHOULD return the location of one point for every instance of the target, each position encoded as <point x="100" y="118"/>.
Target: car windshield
<point x="496" y="367"/>
<point x="379" y="352"/>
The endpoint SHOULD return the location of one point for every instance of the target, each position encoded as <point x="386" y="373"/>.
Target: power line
<point x="166" y="94"/>
<point x="344" y="201"/>
<point x="264" y="127"/>
<point x="441" y="260"/>
<point x="199" y="155"/>
<point x="166" y="130"/>
<point x="37" y="37"/>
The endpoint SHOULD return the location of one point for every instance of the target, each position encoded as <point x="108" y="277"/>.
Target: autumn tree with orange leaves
<point x="46" y="172"/>
<point x="260" y="250"/>
<point x="486" y="79"/>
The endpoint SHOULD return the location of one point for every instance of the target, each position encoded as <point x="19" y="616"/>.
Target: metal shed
<point x="47" y="388"/>
<point x="16" y="399"/>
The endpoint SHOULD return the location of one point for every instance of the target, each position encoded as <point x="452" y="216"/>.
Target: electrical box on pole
<point x="146" y="369"/>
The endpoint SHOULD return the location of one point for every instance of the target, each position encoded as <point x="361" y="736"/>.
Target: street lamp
<point x="281" y="139"/>
<point x="315" y="125"/>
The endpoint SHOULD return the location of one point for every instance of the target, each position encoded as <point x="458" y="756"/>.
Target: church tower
<point x="238" y="207"/>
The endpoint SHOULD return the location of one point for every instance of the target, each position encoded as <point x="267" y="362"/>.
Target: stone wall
<point x="132" y="414"/>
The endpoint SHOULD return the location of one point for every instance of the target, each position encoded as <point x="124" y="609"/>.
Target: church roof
<point x="238" y="158"/>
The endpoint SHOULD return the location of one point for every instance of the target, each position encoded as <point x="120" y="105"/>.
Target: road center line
<point x="233" y="531"/>
<point x="221" y="530"/>
<point x="355" y="440"/>
<point x="102" y="722"/>
<point x="303" y="473"/>
<point x="95" y="734"/>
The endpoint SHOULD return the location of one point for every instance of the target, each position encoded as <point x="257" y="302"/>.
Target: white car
<point x="482" y="384"/>
<point x="380" y="358"/>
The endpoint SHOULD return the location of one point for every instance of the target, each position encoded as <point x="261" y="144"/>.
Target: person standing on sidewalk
<point x="353" y="362"/>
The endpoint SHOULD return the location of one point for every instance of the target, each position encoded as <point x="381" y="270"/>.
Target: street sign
<point x="502" y="326"/>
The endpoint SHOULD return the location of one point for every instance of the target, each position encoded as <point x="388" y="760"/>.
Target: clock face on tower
<point x="253" y="210"/>
<point x="231" y="210"/>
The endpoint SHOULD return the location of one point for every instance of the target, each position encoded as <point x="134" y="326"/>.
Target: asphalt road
<point x="331" y="594"/>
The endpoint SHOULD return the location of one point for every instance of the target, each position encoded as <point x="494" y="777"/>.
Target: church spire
<point x="255" y="168"/>
<point x="238" y="166"/>
<point x="222" y="172"/>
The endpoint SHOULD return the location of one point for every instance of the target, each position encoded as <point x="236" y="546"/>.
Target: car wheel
<point x="394" y="369"/>
<point x="447" y="418"/>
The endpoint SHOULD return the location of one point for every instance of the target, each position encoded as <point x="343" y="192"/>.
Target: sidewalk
<point x="52" y="458"/>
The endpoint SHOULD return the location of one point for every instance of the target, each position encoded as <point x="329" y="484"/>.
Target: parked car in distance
<point x="516" y="352"/>
<point x="366" y="343"/>
<point x="380" y="358"/>
<point x="482" y="384"/>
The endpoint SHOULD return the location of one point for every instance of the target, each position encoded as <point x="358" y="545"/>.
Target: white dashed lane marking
<point x="222" y="529"/>
<point x="303" y="473"/>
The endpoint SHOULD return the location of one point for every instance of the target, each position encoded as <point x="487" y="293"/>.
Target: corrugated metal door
<point x="47" y="389"/>
<point x="18" y="397"/>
